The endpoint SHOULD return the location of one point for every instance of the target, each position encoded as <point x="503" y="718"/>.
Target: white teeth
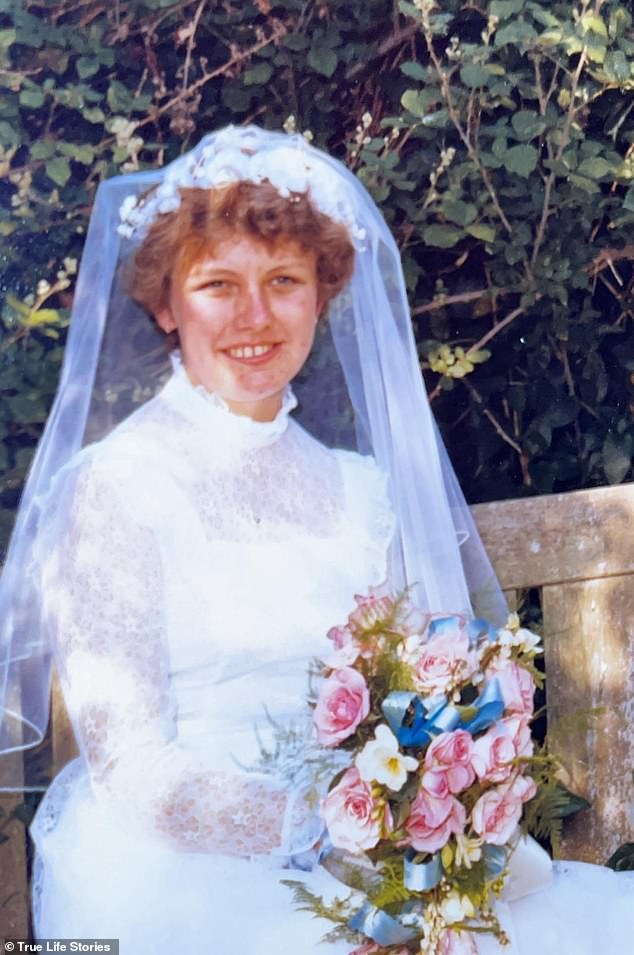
<point x="250" y="352"/>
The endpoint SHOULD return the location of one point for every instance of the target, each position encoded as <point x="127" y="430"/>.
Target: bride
<point x="190" y="534"/>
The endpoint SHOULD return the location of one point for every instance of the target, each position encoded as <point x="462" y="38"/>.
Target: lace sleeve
<point x="103" y="593"/>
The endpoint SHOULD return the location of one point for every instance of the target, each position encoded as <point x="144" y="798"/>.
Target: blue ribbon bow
<point x="424" y="725"/>
<point x="421" y="876"/>
<point x="495" y="860"/>
<point x="489" y="707"/>
<point x="382" y="928"/>
<point x="437" y="716"/>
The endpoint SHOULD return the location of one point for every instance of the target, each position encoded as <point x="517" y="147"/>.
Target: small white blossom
<point x="43" y="287"/>
<point x="519" y="637"/>
<point x="127" y="207"/>
<point x="529" y="641"/>
<point x="381" y="761"/>
<point x="234" y="156"/>
<point x="289" y="125"/>
<point x="456" y="908"/>
<point x="468" y="850"/>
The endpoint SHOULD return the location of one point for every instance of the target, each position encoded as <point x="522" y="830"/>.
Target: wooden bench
<point x="578" y="549"/>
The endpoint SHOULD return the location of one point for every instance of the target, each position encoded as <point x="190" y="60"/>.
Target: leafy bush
<point x="497" y="139"/>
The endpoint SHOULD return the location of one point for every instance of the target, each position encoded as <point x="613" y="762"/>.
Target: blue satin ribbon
<point x="479" y="628"/>
<point x="424" y="726"/>
<point x="445" y="625"/>
<point x="475" y="629"/>
<point x="381" y="927"/>
<point x="442" y="717"/>
<point x="489" y="707"/>
<point x="495" y="860"/>
<point x="421" y="876"/>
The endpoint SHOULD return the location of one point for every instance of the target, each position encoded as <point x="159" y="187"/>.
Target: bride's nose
<point x="253" y="308"/>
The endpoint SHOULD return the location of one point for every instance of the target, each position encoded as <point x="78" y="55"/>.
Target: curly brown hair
<point x="208" y="217"/>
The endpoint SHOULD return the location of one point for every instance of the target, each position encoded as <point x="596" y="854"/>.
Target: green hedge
<point x="498" y="141"/>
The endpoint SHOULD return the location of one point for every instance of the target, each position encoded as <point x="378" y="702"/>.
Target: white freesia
<point x="530" y="642"/>
<point x="456" y="908"/>
<point x="521" y="638"/>
<point x="381" y="761"/>
<point x="468" y="850"/>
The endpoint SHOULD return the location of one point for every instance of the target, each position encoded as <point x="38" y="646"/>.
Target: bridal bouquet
<point x="433" y="716"/>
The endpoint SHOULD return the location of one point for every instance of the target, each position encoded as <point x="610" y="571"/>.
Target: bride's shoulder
<point x="358" y="465"/>
<point x="139" y="440"/>
<point x="125" y="464"/>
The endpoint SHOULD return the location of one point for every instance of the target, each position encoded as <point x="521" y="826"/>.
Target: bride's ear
<point x="165" y="320"/>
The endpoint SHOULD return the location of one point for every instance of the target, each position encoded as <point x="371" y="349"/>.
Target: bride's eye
<point x="213" y="285"/>
<point x="285" y="280"/>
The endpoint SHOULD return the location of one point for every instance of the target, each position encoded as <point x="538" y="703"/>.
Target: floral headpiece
<point x="234" y="156"/>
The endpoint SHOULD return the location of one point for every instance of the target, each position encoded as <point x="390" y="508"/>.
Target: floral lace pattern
<point x="183" y="573"/>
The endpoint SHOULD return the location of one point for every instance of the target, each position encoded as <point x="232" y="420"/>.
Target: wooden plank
<point x="589" y="645"/>
<point x="64" y="745"/>
<point x="558" y="538"/>
<point x="14" y="886"/>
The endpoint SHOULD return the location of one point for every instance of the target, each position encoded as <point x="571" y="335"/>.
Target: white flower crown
<point x="233" y="156"/>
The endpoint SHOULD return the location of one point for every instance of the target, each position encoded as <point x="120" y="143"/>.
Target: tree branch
<point x="278" y="32"/>
<point x="191" y="41"/>
<point x="455" y="119"/>
<point x="565" y="139"/>
<point x="451" y="300"/>
<point x="497" y="328"/>
<point x="606" y="257"/>
<point x="506" y="437"/>
<point x="395" y="39"/>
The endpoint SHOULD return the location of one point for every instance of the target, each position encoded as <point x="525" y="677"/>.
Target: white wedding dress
<point x="207" y="557"/>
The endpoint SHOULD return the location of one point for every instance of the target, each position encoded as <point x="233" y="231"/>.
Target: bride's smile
<point x="245" y="315"/>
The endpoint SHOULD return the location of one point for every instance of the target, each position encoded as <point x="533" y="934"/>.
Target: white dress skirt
<point x="197" y="562"/>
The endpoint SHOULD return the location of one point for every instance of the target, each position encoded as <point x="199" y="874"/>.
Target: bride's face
<point x="246" y="316"/>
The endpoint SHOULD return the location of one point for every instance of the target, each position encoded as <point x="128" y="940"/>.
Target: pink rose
<point x="435" y="783"/>
<point x="524" y="787"/>
<point x="450" y="753"/>
<point x="516" y="685"/>
<point x="520" y="733"/>
<point x="346" y="648"/>
<point x="350" y="813"/>
<point x="495" y="752"/>
<point x="343" y="702"/>
<point x="444" y="661"/>
<point x="432" y="820"/>
<point x="371" y="610"/>
<point x="456" y="943"/>
<point x="496" y="814"/>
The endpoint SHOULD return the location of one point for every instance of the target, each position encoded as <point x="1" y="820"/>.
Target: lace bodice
<point x="198" y="563"/>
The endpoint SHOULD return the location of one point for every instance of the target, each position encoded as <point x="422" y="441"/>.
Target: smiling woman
<point x="185" y="568"/>
<point x="245" y="316"/>
<point x="242" y="275"/>
<point x="206" y="218"/>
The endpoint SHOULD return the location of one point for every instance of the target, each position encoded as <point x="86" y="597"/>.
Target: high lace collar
<point x="211" y="412"/>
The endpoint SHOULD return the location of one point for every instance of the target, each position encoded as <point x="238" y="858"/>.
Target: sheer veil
<point x="361" y="389"/>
